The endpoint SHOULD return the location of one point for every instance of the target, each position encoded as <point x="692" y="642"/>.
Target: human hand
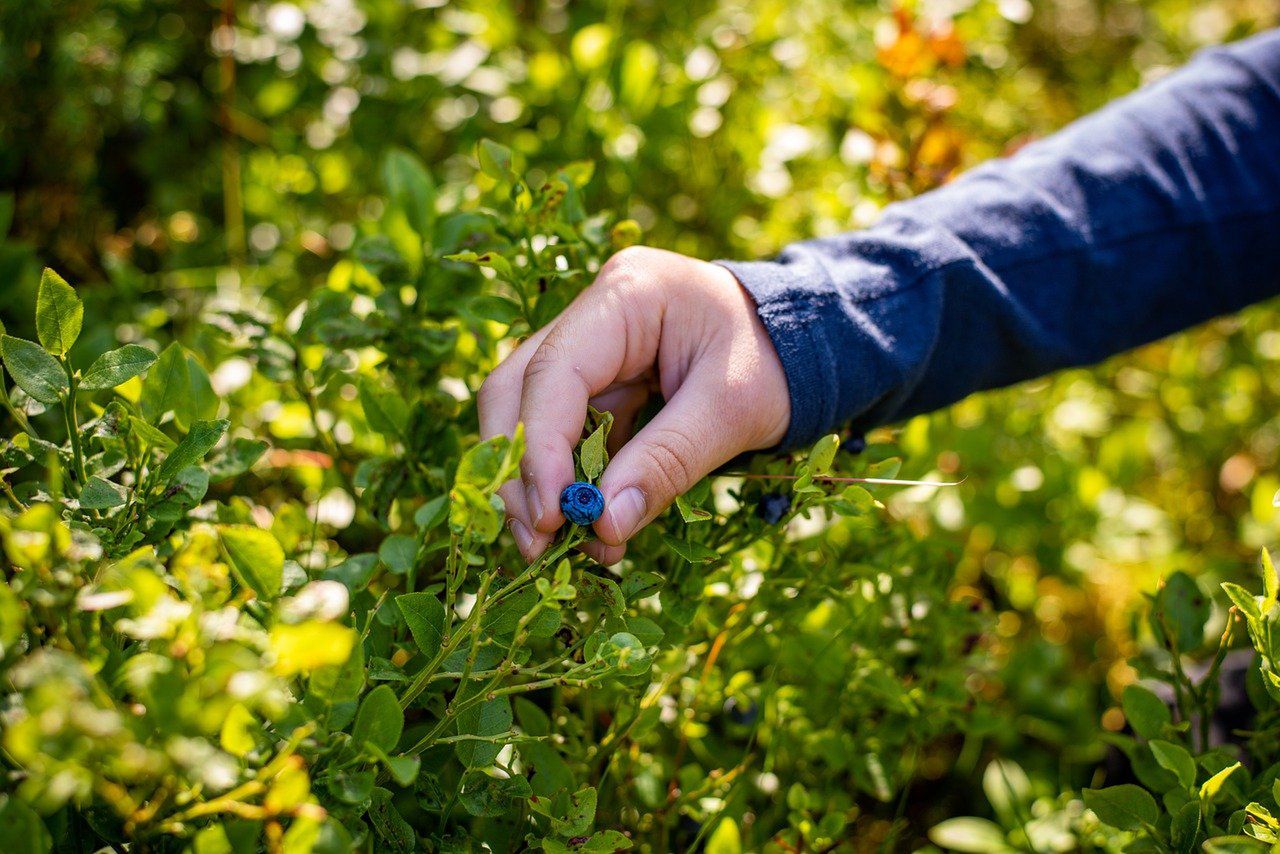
<point x="652" y="320"/>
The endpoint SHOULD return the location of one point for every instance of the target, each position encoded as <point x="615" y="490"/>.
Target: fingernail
<point x="524" y="539"/>
<point x="626" y="511"/>
<point x="535" y="504"/>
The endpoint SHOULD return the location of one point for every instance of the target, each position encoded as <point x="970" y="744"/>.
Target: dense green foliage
<point x="257" y="590"/>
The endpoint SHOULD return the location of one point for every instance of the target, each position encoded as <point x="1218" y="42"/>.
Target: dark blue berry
<point x="773" y="507"/>
<point x="856" y="445"/>
<point x="581" y="503"/>
<point x="744" y="714"/>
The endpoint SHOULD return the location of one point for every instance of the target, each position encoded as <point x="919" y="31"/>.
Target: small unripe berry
<point x="773" y="507"/>
<point x="581" y="503"/>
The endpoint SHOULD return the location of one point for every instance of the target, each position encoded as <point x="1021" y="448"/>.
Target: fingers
<point x="609" y="334"/>
<point x="498" y="406"/>
<point x="667" y="457"/>
<point x="603" y="553"/>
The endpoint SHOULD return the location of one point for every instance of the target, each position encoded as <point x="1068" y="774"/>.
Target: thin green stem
<point x="73" y="425"/>
<point x="16" y="414"/>
<point x="13" y="499"/>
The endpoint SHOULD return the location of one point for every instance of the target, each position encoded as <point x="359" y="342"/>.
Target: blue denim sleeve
<point x="1160" y="211"/>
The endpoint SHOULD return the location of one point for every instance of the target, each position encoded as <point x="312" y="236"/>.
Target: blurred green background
<point x="164" y="153"/>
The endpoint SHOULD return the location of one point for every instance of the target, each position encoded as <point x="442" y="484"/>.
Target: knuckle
<point x="668" y="459"/>
<point x="626" y="261"/>
<point x="544" y="360"/>
<point x="630" y="272"/>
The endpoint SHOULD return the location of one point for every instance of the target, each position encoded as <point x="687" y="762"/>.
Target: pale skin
<point x="651" y="322"/>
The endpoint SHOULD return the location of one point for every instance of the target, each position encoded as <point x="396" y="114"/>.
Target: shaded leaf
<point x="380" y="720"/>
<point x="117" y="366"/>
<point x="1125" y="807"/>
<point x="425" y="616"/>
<point x="35" y="371"/>
<point x="100" y="494"/>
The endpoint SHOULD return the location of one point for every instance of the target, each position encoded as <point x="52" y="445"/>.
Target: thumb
<point x="684" y="442"/>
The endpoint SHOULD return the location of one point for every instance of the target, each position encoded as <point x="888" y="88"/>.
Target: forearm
<point x="1156" y="213"/>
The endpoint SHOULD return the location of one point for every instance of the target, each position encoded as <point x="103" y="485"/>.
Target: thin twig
<point x="879" y="481"/>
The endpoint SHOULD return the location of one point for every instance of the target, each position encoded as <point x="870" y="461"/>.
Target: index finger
<point x="597" y="341"/>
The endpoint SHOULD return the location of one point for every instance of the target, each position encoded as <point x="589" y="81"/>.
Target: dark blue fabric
<point x="1160" y="211"/>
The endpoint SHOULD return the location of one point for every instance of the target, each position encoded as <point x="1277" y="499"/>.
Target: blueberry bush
<point x="257" y="590"/>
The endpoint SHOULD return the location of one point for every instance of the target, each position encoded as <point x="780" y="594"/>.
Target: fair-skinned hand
<point x="652" y="320"/>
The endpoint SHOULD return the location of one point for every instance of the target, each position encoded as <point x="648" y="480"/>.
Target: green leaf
<point x="310" y="646"/>
<point x="624" y="652"/>
<point x="1243" y="599"/>
<point x="343" y="683"/>
<point x="486" y="796"/>
<point x="256" y="558"/>
<point x="823" y="454"/>
<point x="1147" y="713"/>
<point x="470" y="510"/>
<point x="1270" y="584"/>
<point x="12" y="618"/>
<point x="488" y="464"/>
<point x="1212" y="787"/>
<point x="424" y="615"/>
<point x="432" y="512"/>
<point x="201" y="402"/>
<point x="150" y="435"/>
<point x="21" y="829"/>
<point x="59" y="313"/>
<point x="35" y="371"/>
<point x="117" y="366"/>
<point x="692" y="552"/>
<point x="1126" y="807"/>
<point x="690" y="513"/>
<point x="100" y="494"/>
<point x="969" y="834"/>
<point x="411" y="190"/>
<point x="646" y="631"/>
<point x="380" y="720"/>
<point x="1008" y="789"/>
<point x="1234" y="845"/>
<point x="192" y="449"/>
<point x="239" y="727"/>
<point x="640" y="584"/>
<point x="1185" y="827"/>
<point x="1186" y="609"/>
<point x="398" y="552"/>
<point x="581" y="815"/>
<point x="610" y="841"/>
<point x="606" y="590"/>
<point x="390" y="825"/>
<point x="240" y="456"/>
<point x="495" y="160"/>
<point x="167" y="387"/>
<point x="496" y="308"/>
<point x="385" y="411"/>
<point x="487" y="720"/>
<point x="593" y="455"/>
<point x="403" y="769"/>
<point x="1175" y="758"/>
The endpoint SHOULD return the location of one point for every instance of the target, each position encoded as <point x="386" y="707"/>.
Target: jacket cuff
<point x="790" y="306"/>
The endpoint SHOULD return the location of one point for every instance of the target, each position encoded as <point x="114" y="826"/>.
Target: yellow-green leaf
<point x="59" y="313"/>
<point x="256" y="558"/>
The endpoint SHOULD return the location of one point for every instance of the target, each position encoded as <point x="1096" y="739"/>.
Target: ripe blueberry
<point x="856" y="445"/>
<point x="581" y="503"/>
<point x="773" y="507"/>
